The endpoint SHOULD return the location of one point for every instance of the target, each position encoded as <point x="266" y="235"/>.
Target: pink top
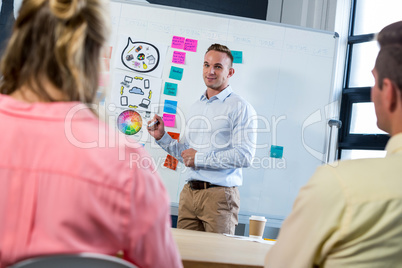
<point x="68" y="185"/>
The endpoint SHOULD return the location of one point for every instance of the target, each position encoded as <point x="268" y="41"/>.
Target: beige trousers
<point x="212" y="210"/>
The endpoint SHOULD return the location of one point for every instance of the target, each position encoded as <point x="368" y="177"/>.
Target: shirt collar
<point x="50" y="110"/>
<point x="221" y="96"/>
<point x="394" y="144"/>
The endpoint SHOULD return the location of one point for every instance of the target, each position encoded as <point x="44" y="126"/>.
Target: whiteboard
<point x="286" y="73"/>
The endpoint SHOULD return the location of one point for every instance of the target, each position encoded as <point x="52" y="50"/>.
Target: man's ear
<point x="231" y="72"/>
<point x="390" y="95"/>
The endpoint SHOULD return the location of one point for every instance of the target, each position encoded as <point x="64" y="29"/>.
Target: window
<point x="363" y="119"/>
<point x="361" y="63"/>
<point x="373" y="15"/>
<point x="359" y="136"/>
<point x="357" y="154"/>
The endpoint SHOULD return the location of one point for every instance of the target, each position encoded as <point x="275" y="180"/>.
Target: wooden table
<point x="201" y="249"/>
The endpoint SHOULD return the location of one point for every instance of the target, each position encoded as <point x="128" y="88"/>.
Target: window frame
<point x="351" y="95"/>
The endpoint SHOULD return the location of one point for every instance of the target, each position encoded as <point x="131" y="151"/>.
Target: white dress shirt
<point x="223" y="131"/>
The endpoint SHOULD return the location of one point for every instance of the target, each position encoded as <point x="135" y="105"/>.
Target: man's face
<point x="376" y="97"/>
<point x="217" y="70"/>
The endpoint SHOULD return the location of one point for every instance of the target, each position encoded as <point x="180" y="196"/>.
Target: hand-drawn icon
<point x="146" y="83"/>
<point x="129" y="57"/>
<point x="136" y="90"/>
<point x="141" y="56"/>
<point x="146" y="53"/>
<point x="138" y="48"/>
<point x="133" y="92"/>
<point x="145" y="103"/>
<point x="124" y="100"/>
<point x="151" y="59"/>
<point x="127" y="81"/>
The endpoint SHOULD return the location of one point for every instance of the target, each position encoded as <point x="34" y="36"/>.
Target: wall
<point x="278" y="70"/>
<point x="6" y="21"/>
<point x="317" y="14"/>
<point x="331" y="15"/>
<point x="256" y="9"/>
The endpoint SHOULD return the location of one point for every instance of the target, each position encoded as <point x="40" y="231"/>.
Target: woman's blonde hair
<point x="59" y="41"/>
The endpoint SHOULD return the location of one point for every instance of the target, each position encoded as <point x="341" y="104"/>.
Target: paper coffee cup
<point x="257" y="226"/>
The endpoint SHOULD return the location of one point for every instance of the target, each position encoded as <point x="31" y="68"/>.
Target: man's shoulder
<point x="236" y="98"/>
<point x="343" y="169"/>
<point x="361" y="178"/>
<point x="357" y="165"/>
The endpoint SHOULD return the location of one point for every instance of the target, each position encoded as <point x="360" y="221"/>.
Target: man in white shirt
<point x="350" y="214"/>
<point x="219" y="140"/>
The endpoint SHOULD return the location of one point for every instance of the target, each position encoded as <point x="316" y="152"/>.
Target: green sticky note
<point x="170" y="89"/>
<point x="237" y="56"/>
<point x="276" y="151"/>
<point x="176" y="73"/>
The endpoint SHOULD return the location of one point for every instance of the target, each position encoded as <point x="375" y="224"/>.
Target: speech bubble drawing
<point x="140" y="56"/>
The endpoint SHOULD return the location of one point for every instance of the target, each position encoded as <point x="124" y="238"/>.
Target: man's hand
<point x="157" y="130"/>
<point x="188" y="157"/>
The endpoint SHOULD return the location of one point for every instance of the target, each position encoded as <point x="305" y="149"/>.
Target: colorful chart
<point x="129" y="122"/>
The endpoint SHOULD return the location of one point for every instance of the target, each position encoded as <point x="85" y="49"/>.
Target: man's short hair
<point x="391" y="35"/>
<point x="389" y="65"/>
<point x="221" y="48"/>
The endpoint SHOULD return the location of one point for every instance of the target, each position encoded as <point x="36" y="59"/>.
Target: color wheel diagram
<point x="129" y="122"/>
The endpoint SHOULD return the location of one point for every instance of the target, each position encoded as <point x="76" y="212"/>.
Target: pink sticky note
<point x="191" y="45"/>
<point x="178" y="42"/>
<point x="179" y="57"/>
<point x="103" y="79"/>
<point x="169" y="119"/>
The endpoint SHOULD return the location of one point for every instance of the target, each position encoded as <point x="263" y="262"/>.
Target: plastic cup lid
<point x="257" y="218"/>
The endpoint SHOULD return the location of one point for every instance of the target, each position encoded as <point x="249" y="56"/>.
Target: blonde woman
<point x="66" y="185"/>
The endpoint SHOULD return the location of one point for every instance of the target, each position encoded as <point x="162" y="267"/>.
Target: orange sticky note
<point x="107" y="52"/>
<point x="171" y="162"/>
<point x="106" y="63"/>
<point x="174" y="135"/>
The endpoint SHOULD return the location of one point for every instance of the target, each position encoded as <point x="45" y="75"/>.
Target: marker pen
<point x="153" y="123"/>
